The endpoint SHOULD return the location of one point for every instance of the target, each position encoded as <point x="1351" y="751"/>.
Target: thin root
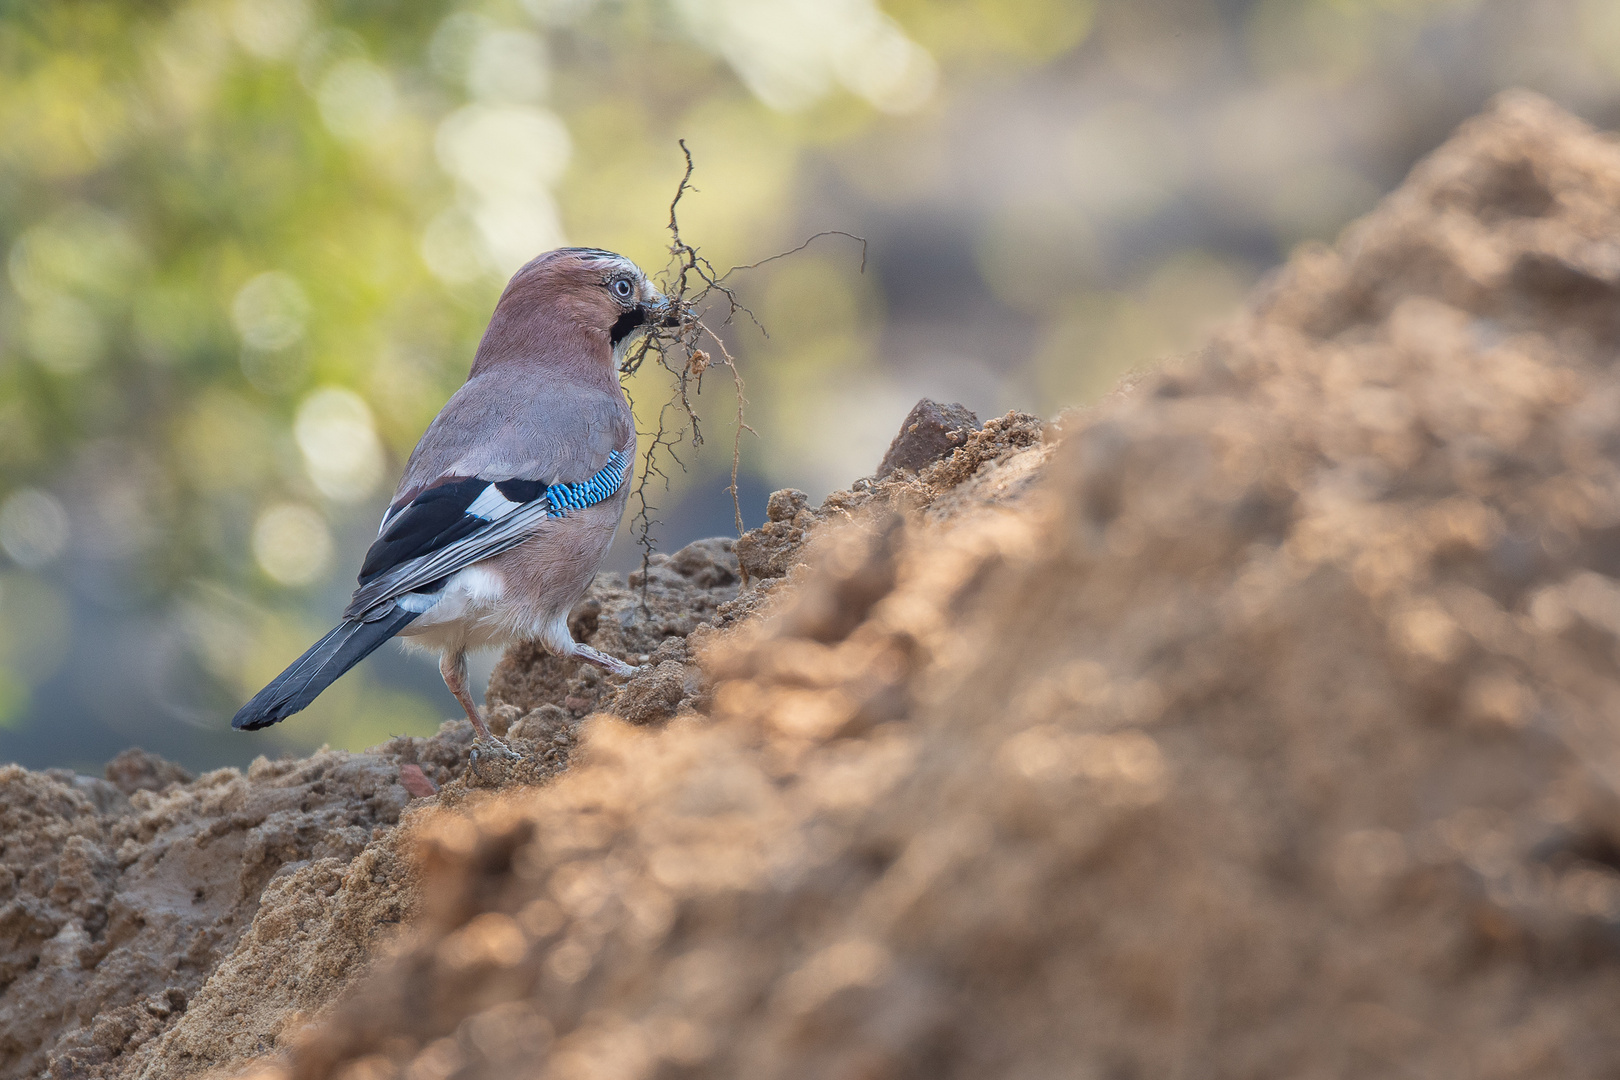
<point x="691" y="283"/>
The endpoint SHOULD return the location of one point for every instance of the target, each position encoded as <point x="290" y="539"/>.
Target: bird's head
<point x="586" y="293"/>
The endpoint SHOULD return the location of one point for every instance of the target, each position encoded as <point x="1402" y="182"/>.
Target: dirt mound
<point x="119" y="898"/>
<point x="156" y="925"/>
<point x="1272" y="733"/>
<point x="1267" y="725"/>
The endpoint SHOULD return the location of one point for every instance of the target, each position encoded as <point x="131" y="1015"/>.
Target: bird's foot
<point x="611" y="664"/>
<point x="491" y="748"/>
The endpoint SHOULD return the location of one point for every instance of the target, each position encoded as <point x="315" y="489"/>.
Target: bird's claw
<point x="496" y="748"/>
<point x="490" y="747"/>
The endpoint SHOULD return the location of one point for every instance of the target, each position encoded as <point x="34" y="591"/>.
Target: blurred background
<point x="249" y="247"/>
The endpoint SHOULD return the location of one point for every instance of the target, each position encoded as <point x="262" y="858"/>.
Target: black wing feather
<point x="521" y="491"/>
<point x="438" y="533"/>
<point x="350" y="642"/>
<point x="435" y="518"/>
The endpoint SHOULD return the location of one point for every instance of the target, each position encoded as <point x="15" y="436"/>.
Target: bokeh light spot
<point x="64" y="335"/>
<point x="507" y="156"/>
<point x="339" y="442"/>
<point x="453" y="248"/>
<point x="508" y="65"/>
<point x="357" y="99"/>
<point x="451" y="47"/>
<point x="892" y="72"/>
<point x="33" y="528"/>
<point x="81" y="249"/>
<point x="791" y="53"/>
<point x="1124" y="161"/>
<point x="270" y="311"/>
<point x="269" y="29"/>
<point x="292" y="544"/>
<point x="503" y="150"/>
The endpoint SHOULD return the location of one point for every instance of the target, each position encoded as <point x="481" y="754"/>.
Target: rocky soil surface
<point x="1262" y="720"/>
<point x="153" y="924"/>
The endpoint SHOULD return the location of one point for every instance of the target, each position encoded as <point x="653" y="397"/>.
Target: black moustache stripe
<point x="636" y="316"/>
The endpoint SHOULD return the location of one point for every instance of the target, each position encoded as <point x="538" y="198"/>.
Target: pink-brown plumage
<point x="510" y="500"/>
<point x="527" y="591"/>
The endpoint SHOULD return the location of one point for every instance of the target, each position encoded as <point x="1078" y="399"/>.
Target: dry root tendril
<point x="695" y="290"/>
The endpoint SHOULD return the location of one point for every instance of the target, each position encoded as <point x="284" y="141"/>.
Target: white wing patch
<point x="491" y="505"/>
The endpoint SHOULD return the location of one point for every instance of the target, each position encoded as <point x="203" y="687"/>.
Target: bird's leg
<point x="453" y="668"/>
<point x="611" y="664"/>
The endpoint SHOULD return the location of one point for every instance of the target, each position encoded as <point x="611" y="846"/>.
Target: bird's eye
<point x="622" y="288"/>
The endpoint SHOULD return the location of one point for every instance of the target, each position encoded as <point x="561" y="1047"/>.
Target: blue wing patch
<point x="566" y="497"/>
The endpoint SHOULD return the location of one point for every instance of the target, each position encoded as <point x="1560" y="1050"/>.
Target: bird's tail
<point x="350" y="642"/>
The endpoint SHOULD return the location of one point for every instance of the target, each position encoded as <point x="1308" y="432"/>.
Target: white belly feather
<point x="466" y="612"/>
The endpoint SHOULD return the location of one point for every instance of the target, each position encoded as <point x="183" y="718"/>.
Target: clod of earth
<point x="930" y="432"/>
<point x="1258" y="721"/>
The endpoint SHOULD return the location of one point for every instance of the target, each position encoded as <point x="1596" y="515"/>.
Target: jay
<point x="510" y="501"/>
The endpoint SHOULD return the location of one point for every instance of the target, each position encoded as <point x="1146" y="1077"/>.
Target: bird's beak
<point x="664" y="311"/>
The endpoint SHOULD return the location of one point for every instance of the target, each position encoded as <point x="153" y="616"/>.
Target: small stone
<point x="543" y="724"/>
<point x="671" y="648"/>
<point x="416" y="783"/>
<point x="784" y="504"/>
<point x="708" y="563"/>
<point x="654" y="695"/>
<point x="930" y="432"/>
<point x="140" y="770"/>
<point x="501" y="717"/>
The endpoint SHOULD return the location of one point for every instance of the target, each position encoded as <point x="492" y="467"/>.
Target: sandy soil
<point x="156" y="925"/>
<point x="1259" y="721"/>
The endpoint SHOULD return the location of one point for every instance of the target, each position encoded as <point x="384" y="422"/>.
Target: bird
<point x="511" y="498"/>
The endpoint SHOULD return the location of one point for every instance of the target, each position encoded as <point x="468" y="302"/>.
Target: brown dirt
<point x="645" y="619"/>
<point x="1272" y="733"/>
<point x="118" y="899"/>
<point x="155" y="925"/>
<point x="1265" y="726"/>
